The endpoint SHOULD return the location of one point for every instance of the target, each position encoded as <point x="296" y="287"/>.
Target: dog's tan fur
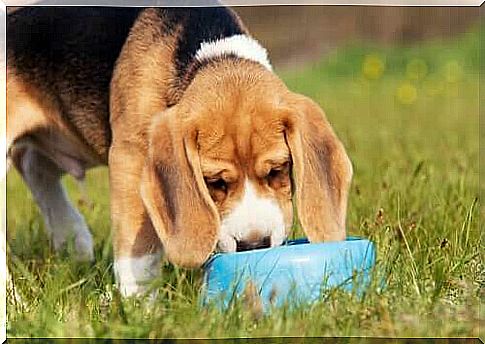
<point x="235" y="120"/>
<point x="242" y="130"/>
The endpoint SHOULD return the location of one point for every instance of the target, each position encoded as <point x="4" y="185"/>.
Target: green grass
<point x="408" y="117"/>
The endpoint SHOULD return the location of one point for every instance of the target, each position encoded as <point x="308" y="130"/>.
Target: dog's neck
<point x="210" y="52"/>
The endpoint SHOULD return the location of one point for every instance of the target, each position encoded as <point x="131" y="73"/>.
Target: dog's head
<point x="225" y="163"/>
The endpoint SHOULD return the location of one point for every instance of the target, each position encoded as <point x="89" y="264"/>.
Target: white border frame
<point x="3" y="176"/>
<point x="141" y="3"/>
<point x="206" y="3"/>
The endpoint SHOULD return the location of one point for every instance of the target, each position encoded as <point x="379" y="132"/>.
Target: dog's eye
<point x="216" y="184"/>
<point x="217" y="189"/>
<point x="279" y="176"/>
<point x="280" y="170"/>
<point x="275" y="172"/>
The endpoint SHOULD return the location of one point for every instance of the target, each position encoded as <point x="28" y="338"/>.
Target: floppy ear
<point x="174" y="193"/>
<point x="322" y="172"/>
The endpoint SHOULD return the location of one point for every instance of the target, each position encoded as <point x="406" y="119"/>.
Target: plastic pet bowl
<point x="297" y="271"/>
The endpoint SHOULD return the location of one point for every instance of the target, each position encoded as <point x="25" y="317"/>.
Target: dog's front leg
<point x="137" y="248"/>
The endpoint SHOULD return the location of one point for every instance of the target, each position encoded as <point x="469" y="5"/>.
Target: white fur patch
<point x="132" y="273"/>
<point x="240" y="45"/>
<point x="252" y="214"/>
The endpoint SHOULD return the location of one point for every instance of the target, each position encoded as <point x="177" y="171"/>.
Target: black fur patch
<point x="55" y="36"/>
<point x="199" y="25"/>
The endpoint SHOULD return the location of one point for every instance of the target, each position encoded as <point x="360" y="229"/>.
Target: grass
<point x="408" y="117"/>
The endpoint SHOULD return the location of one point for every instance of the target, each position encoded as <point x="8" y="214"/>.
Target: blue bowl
<point x="295" y="272"/>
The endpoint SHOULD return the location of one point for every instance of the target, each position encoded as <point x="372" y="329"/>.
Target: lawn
<point x="409" y="118"/>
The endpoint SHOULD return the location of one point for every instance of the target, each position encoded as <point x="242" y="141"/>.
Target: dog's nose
<point x="246" y="245"/>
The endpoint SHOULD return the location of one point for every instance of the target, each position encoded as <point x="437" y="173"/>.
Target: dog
<point x="207" y="149"/>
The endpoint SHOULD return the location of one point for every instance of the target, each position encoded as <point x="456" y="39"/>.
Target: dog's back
<point x="68" y="54"/>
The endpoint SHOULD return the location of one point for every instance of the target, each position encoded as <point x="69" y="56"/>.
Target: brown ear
<point x="322" y="172"/>
<point x="175" y="195"/>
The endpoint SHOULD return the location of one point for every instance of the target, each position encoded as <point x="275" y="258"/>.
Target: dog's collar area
<point x="239" y="46"/>
<point x="242" y="46"/>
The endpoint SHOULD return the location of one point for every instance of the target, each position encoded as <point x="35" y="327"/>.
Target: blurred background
<point x="295" y="35"/>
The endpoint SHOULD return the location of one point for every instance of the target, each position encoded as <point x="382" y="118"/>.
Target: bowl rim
<point x="286" y="243"/>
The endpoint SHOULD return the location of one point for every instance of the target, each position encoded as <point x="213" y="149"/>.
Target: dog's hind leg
<point x="33" y="119"/>
<point x="62" y="220"/>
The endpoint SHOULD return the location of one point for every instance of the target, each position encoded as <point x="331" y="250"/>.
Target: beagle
<point x="205" y="145"/>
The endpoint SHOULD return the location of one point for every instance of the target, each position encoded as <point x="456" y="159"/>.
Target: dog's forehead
<point x="242" y="134"/>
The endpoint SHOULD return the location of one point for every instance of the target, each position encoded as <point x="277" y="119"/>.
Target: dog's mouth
<point x="243" y="245"/>
<point x="230" y="244"/>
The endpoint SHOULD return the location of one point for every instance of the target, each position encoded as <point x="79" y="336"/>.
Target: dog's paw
<point x="133" y="274"/>
<point x="82" y="241"/>
<point x="84" y="246"/>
